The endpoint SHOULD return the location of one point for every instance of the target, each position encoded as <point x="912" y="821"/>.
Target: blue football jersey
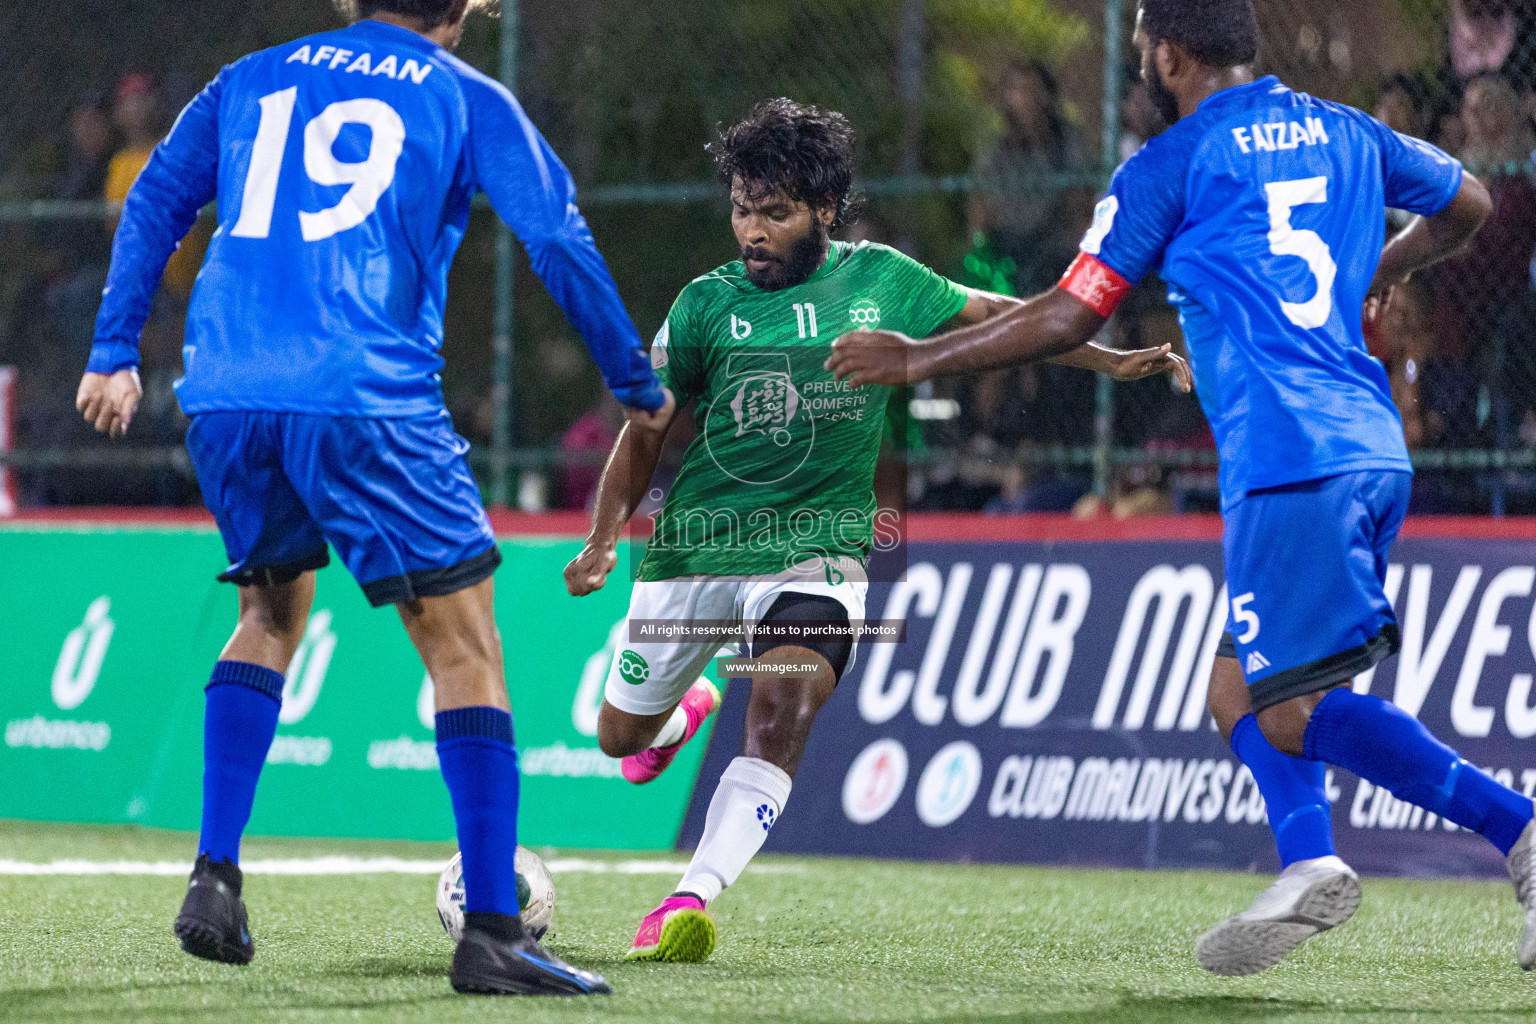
<point x="1263" y="212"/>
<point x="343" y="165"/>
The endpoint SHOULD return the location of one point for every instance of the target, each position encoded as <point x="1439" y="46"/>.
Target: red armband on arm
<point x="1095" y="285"/>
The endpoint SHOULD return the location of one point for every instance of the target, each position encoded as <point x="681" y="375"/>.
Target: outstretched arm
<point x="1056" y="326"/>
<point x="1428" y="240"/>
<point x="1121" y="365"/>
<point x="620" y="491"/>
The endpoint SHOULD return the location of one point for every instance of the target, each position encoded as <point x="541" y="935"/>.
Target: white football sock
<point x="746" y="803"/>
<point x="672" y="732"/>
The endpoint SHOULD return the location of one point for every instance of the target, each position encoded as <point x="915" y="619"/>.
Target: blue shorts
<point x="1305" y="565"/>
<point x="393" y="496"/>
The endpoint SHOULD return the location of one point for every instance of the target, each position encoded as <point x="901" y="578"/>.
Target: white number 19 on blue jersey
<point x="369" y="178"/>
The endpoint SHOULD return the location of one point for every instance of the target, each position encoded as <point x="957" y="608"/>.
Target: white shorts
<point x="648" y="678"/>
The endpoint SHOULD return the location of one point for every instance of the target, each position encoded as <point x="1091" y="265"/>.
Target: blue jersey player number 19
<point x="343" y="166"/>
<point x="368" y="178"/>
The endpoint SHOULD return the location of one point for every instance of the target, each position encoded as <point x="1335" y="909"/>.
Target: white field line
<point x="351" y="866"/>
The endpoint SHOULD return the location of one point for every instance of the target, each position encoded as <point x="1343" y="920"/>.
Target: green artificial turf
<point x="815" y="940"/>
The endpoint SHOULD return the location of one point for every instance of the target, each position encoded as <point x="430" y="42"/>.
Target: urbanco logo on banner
<point x="85" y="648"/>
<point x="949" y="783"/>
<point x="874" y="781"/>
<point x="301" y="689"/>
<point x="74" y="678"/>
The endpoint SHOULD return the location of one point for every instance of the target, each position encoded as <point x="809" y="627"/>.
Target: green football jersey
<point x="783" y="466"/>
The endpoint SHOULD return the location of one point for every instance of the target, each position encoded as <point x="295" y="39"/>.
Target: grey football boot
<point x="1310" y="896"/>
<point x="1522" y="871"/>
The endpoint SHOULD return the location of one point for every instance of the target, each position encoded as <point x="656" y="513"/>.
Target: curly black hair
<point x="804" y="150"/>
<point x="432" y="12"/>
<point x="1217" y="33"/>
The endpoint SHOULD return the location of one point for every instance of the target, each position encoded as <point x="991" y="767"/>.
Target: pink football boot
<point x="701" y="699"/>
<point x="677" y="932"/>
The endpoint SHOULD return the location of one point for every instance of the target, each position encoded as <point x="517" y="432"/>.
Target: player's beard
<point x="804" y="258"/>
<point x="1162" y="97"/>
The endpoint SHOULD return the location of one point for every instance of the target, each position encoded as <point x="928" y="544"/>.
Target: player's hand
<point x="589" y="570"/>
<point x="1146" y="362"/>
<point x="874" y="357"/>
<point x="108" y="401"/>
<point x="655" y="421"/>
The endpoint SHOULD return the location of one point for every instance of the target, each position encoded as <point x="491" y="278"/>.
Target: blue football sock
<point x="1295" y="794"/>
<point x="474" y="746"/>
<point x="1378" y="742"/>
<point x="238" y="725"/>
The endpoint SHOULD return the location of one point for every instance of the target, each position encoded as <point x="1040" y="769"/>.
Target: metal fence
<point x="987" y="127"/>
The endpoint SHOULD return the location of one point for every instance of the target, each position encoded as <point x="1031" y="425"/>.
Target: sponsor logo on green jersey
<point x="865" y="315"/>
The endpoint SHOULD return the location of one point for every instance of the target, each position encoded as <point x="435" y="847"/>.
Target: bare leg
<point x="458" y="641"/>
<point x="271" y="624"/>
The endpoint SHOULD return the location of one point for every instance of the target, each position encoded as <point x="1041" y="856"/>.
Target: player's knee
<point x="620" y="734"/>
<point x="1227" y="697"/>
<point x="279" y="613"/>
<point x="780" y="716"/>
<point x="453" y="635"/>
<point x="1285" y="725"/>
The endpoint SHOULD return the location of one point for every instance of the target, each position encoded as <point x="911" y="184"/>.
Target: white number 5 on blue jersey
<point x="1284" y="240"/>
<point x="369" y="178"/>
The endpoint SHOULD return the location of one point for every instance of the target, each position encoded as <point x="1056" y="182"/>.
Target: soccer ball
<point x="535" y="894"/>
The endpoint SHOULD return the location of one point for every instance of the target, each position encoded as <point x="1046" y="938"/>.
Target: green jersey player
<point x="768" y="529"/>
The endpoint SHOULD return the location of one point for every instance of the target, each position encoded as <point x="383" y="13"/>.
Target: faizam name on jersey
<point x="347" y="62"/>
<point x="1278" y="135"/>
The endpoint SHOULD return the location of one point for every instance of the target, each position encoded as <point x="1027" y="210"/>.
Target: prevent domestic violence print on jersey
<point x="783" y="467"/>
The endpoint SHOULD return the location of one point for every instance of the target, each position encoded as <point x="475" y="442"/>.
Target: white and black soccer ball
<point x="535" y="894"/>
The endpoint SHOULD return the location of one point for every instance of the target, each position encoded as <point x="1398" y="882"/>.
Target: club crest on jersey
<point x="765" y="403"/>
<point x="865" y="315"/>
<point x="759" y="428"/>
<point x="741" y="329"/>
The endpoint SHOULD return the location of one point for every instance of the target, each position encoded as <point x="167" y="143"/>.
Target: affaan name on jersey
<point x="1266" y="138"/>
<point x="361" y="63"/>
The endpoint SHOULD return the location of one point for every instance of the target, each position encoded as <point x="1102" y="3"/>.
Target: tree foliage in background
<point x="635" y="94"/>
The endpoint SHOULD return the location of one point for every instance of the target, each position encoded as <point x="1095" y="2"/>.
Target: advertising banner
<point x="109" y="635"/>
<point x="1048" y="706"/>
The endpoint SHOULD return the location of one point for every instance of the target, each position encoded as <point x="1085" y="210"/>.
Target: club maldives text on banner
<point x="110" y="631"/>
<point x="1048" y="706"/>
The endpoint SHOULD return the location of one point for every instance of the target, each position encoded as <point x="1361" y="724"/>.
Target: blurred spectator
<point x="1482" y="36"/>
<point x="1139" y="119"/>
<point x="1134" y="491"/>
<point x="1514" y="377"/>
<point x="1499" y="134"/>
<point x="1026" y="216"/>
<point x="583" y="448"/>
<point x="139" y="117"/>
<point x="1038" y="404"/>
<point x="1022" y="494"/>
<point x="80" y="246"/>
<point x="84" y="178"/>
<point x="1402" y="104"/>
<point x="1480" y="283"/>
